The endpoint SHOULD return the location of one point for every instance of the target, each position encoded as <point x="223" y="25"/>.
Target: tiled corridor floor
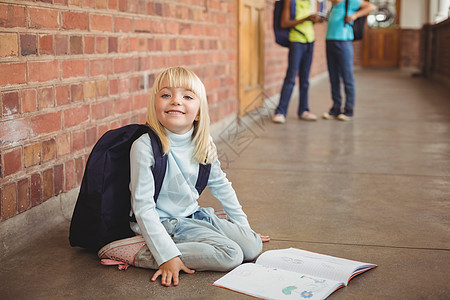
<point x="375" y="189"/>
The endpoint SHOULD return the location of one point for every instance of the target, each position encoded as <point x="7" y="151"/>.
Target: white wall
<point x="413" y="13"/>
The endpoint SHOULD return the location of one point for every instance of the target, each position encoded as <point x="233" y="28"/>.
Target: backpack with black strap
<point x="101" y="213"/>
<point x="358" y="24"/>
<point x="282" y="34"/>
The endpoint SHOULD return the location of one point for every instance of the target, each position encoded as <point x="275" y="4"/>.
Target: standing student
<point x="301" y="49"/>
<point x="175" y="234"/>
<point x="339" y="48"/>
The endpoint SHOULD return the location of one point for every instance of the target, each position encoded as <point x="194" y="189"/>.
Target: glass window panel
<point x="384" y="15"/>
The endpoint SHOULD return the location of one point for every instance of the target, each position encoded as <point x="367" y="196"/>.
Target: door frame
<point x="243" y="106"/>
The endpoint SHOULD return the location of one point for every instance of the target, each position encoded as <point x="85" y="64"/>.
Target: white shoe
<point x="279" y="118"/>
<point x="343" y="117"/>
<point x="327" y="116"/>
<point x="121" y="252"/>
<point x="306" y="115"/>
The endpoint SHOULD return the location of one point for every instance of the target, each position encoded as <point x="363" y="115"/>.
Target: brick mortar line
<point x="61" y="159"/>
<point x="113" y="13"/>
<point x="44" y="166"/>
<point x="99" y="33"/>
<point x="88" y="78"/>
<point x="72" y="129"/>
<point x="112" y="55"/>
<point x="77" y="57"/>
<point x="73" y="105"/>
<point x="77" y="8"/>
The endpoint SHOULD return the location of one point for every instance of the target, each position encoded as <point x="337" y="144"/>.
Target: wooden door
<point x="250" y="55"/>
<point x="381" y="45"/>
<point x="381" y="48"/>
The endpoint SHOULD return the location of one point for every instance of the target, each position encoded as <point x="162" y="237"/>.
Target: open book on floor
<point x="292" y="273"/>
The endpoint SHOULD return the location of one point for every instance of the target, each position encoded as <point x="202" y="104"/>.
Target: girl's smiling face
<point x="177" y="109"/>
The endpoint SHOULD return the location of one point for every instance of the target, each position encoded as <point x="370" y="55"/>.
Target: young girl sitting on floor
<point x="175" y="234"/>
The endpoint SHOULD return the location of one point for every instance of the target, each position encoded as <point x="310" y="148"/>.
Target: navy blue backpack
<point x="101" y="213"/>
<point x="282" y="34"/>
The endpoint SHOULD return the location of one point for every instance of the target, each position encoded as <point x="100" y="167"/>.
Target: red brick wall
<point x="72" y="69"/>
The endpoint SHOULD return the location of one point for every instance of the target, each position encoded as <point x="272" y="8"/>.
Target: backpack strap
<point x="346" y="11"/>
<point x="301" y="34"/>
<point x="292" y="11"/>
<point x="160" y="166"/>
<point x="203" y="176"/>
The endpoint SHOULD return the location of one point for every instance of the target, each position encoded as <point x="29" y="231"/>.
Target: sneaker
<point x="327" y="116"/>
<point x="121" y="252"/>
<point x="306" y="115"/>
<point x="343" y="117"/>
<point x="279" y="118"/>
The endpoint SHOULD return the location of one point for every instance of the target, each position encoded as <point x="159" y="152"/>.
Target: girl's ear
<point x="197" y="118"/>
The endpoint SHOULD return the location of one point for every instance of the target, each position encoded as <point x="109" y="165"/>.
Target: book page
<point x="315" y="264"/>
<point x="270" y="283"/>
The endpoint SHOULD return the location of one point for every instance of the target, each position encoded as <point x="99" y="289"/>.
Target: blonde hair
<point x="179" y="77"/>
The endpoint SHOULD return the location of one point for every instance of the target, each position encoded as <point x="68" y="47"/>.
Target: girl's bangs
<point x="181" y="78"/>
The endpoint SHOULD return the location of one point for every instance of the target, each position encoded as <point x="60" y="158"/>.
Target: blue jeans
<point x="207" y="243"/>
<point x="300" y="59"/>
<point x="340" y="65"/>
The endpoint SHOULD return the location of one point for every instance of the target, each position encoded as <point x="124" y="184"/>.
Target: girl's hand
<point x="314" y="18"/>
<point x="264" y="238"/>
<point x="170" y="270"/>
<point x="351" y="18"/>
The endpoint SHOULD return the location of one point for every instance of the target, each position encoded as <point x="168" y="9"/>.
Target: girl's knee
<point x="253" y="249"/>
<point x="232" y="258"/>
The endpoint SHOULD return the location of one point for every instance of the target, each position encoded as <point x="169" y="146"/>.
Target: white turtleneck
<point x="178" y="196"/>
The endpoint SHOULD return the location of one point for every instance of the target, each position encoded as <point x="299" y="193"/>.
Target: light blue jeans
<point x="207" y="243"/>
